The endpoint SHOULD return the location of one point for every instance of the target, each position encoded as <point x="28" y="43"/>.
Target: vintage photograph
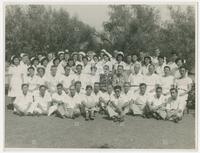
<point x="107" y="76"/>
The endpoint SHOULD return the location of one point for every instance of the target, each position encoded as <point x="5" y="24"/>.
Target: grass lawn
<point x="135" y="132"/>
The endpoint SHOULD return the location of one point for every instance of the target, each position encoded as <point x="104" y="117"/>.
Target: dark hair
<point x="159" y="88"/>
<point x="183" y="67"/>
<point x="85" y="57"/>
<point x="24" y="84"/>
<point x="167" y="67"/>
<point x="31" y="68"/>
<point x="79" y="65"/>
<point x="59" y="85"/>
<point x="40" y="68"/>
<point x="174" y="89"/>
<point x="88" y="87"/>
<point x="142" y="84"/>
<point x="55" y="60"/>
<point x="42" y="86"/>
<point x="14" y="57"/>
<point x="178" y="59"/>
<point x="77" y="82"/>
<point x="117" y="87"/>
<point x="42" y="61"/>
<point x="160" y="56"/>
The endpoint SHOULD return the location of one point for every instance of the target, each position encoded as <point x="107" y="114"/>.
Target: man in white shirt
<point x="42" y="100"/>
<point x="105" y="98"/>
<point x="67" y="79"/>
<point x="117" y="106"/>
<point x="58" y="102"/>
<point x="52" y="80"/>
<point x="86" y="66"/>
<point x="89" y="103"/>
<point x="73" y="104"/>
<point x="155" y="103"/>
<point x="152" y="80"/>
<point x="136" y="78"/>
<point x="139" y="101"/>
<point x="160" y="66"/>
<point x="184" y="85"/>
<point x="172" y="109"/>
<point x="23" y="101"/>
<point x="167" y="81"/>
<point x="31" y="80"/>
<point x="79" y="76"/>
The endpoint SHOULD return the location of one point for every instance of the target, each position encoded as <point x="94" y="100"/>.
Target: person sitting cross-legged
<point x="173" y="109"/>
<point x="73" y="104"/>
<point x="117" y="106"/>
<point x="42" y="100"/>
<point x="22" y="103"/>
<point x="58" y="102"/>
<point x="89" y="103"/>
<point x="138" y="106"/>
<point x="155" y="104"/>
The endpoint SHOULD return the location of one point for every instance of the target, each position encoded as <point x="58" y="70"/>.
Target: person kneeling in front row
<point x="117" y="106"/>
<point x="23" y="102"/>
<point x="89" y="103"/>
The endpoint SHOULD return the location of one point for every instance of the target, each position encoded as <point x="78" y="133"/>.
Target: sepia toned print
<point x="100" y="76"/>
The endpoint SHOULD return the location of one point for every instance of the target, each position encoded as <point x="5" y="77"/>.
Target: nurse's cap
<point x="42" y="59"/>
<point x="103" y="50"/>
<point x="82" y="53"/>
<point x="23" y="54"/>
<point x="74" y="53"/>
<point x="40" y="67"/>
<point x="33" y="58"/>
<point x="61" y="52"/>
<point x="66" y="51"/>
<point x="120" y="53"/>
<point x="115" y="51"/>
<point x="12" y="57"/>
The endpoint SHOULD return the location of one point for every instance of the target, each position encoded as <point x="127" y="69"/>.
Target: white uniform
<point x="32" y="82"/>
<point x="151" y="82"/>
<point x="145" y="69"/>
<point x="52" y="82"/>
<point x="56" y="106"/>
<point x="155" y="101"/>
<point x="89" y="102"/>
<point x="97" y="96"/>
<point x="139" y="104"/>
<point x="80" y="77"/>
<point x="110" y="65"/>
<point x="117" y="64"/>
<point x="41" y="80"/>
<point x="119" y="102"/>
<point x="66" y="81"/>
<point x="86" y="69"/>
<point x="23" y="101"/>
<point x="182" y="85"/>
<point x="136" y="80"/>
<point x="91" y="79"/>
<point x="16" y="80"/>
<point x="129" y="96"/>
<point x="24" y="68"/>
<point x="166" y="83"/>
<point x="42" y="101"/>
<point x="160" y="69"/>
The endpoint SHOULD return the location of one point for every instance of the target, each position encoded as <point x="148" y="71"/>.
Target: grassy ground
<point x="135" y="132"/>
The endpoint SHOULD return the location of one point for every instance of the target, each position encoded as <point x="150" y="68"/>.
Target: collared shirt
<point x="118" y="101"/>
<point x="57" y="97"/>
<point x="166" y="83"/>
<point x="183" y="83"/>
<point x="43" y="101"/>
<point x="140" y="99"/>
<point x="72" y="102"/>
<point x="32" y="82"/>
<point x="24" y="68"/>
<point x="121" y="63"/>
<point x="24" y="100"/>
<point x="109" y="63"/>
<point x="66" y="81"/>
<point x="145" y="69"/>
<point x="129" y="95"/>
<point x="41" y="80"/>
<point x="86" y="69"/>
<point x="136" y="79"/>
<point x="90" y="101"/>
<point x="92" y="79"/>
<point x="119" y="80"/>
<point x="97" y="96"/>
<point x="155" y="101"/>
<point x="80" y="77"/>
<point x="173" y="104"/>
<point x="151" y="81"/>
<point x="160" y="69"/>
<point x="52" y="82"/>
<point x="106" y="96"/>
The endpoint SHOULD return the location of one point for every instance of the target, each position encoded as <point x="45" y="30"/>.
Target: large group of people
<point x="72" y="84"/>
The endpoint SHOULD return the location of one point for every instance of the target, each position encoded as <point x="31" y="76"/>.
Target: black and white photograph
<point x="100" y="76"/>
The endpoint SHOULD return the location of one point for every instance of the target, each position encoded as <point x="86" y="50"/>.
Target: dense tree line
<point x="130" y="28"/>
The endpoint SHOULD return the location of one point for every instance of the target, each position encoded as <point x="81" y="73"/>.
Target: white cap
<point x="82" y="53"/>
<point x="22" y="54"/>
<point x="120" y="53"/>
<point x="61" y="52"/>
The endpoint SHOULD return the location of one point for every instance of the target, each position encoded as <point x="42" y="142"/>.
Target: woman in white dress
<point x="16" y="75"/>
